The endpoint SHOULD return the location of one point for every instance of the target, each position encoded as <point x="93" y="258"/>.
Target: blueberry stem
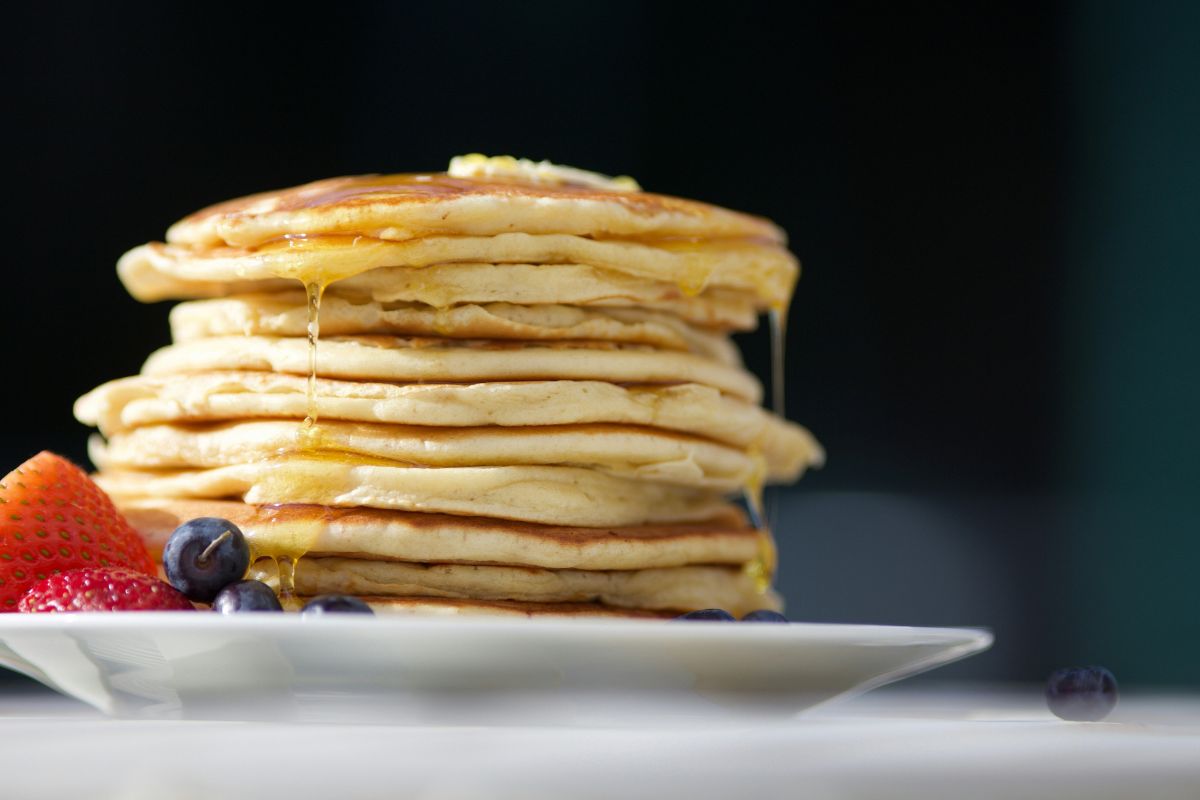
<point x="208" y="551"/>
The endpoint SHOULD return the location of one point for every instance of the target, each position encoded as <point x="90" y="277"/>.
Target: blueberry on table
<point x="246" y="596"/>
<point x="205" y="555"/>
<point x="764" y="615"/>
<point x="1081" y="694"/>
<point x="709" y="614"/>
<point x="336" y="604"/>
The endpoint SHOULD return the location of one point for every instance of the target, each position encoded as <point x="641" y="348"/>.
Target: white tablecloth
<point x="895" y="743"/>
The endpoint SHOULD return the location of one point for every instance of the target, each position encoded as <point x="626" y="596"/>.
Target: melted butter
<point x="538" y="173"/>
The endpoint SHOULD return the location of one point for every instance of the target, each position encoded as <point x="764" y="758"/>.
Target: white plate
<point x="459" y="671"/>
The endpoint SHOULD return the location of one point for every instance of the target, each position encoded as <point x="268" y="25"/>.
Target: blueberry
<point x="246" y="596"/>
<point x="205" y="555"/>
<point x="710" y="614"/>
<point x="336" y="604"/>
<point x="764" y="615"/>
<point x="1081" y="694"/>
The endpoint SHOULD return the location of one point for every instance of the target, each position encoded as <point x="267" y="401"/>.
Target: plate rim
<point x="163" y="620"/>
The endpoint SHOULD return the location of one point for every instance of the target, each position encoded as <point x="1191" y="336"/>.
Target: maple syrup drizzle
<point x="762" y="568"/>
<point x="287" y="577"/>
<point x="308" y="430"/>
<point x="778" y="322"/>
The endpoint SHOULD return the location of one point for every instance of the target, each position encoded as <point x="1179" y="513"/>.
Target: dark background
<point x="995" y="204"/>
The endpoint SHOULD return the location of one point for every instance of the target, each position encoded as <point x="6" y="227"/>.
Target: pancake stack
<point x="504" y="389"/>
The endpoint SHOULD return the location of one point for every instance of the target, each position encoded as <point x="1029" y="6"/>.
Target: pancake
<point x="549" y="495"/>
<point x="763" y="269"/>
<point x="447" y="285"/>
<point x="412" y="206"/>
<point x="625" y="451"/>
<point x="525" y="398"/>
<point x="396" y="359"/>
<point x="299" y="530"/>
<point x="687" y="588"/>
<point x="127" y="403"/>
<point x="286" y="314"/>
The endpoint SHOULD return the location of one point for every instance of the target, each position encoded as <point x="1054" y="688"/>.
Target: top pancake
<point x="412" y="206"/>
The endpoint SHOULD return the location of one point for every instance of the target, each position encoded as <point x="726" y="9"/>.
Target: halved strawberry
<point x="103" y="589"/>
<point x="53" y="519"/>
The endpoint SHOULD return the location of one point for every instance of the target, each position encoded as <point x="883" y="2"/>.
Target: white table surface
<point x="901" y="742"/>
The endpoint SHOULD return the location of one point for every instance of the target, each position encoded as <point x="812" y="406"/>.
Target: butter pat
<point x="536" y="172"/>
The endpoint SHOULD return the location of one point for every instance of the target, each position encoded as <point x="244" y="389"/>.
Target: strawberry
<point x="52" y="519"/>
<point x="103" y="589"/>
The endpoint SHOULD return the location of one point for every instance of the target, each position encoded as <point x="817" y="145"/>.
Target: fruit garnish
<point x="54" y="519"/>
<point x="246" y="596"/>
<point x="102" y="589"/>
<point x="205" y="555"/>
<point x="335" y="604"/>
<point x="764" y="615"/>
<point x="708" y="614"/>
<point x="1081" y="694"/>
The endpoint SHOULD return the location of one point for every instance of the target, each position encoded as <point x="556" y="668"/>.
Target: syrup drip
<point x="287" y="577"/>
<point x="778" y="320"/>
<point x="309" y="437"/>
<point x="762" y="568"/>
<point x="309" y="434"/>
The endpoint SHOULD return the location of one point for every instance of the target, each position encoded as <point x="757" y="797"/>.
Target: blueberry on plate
<point x="1081" y="694"/>
<point x="709" y="614"/>
<point x="246" y="596"/>
<point x="205" y="555"/>
<point x="336" y="604"/>
<point x="764" y="615"/>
